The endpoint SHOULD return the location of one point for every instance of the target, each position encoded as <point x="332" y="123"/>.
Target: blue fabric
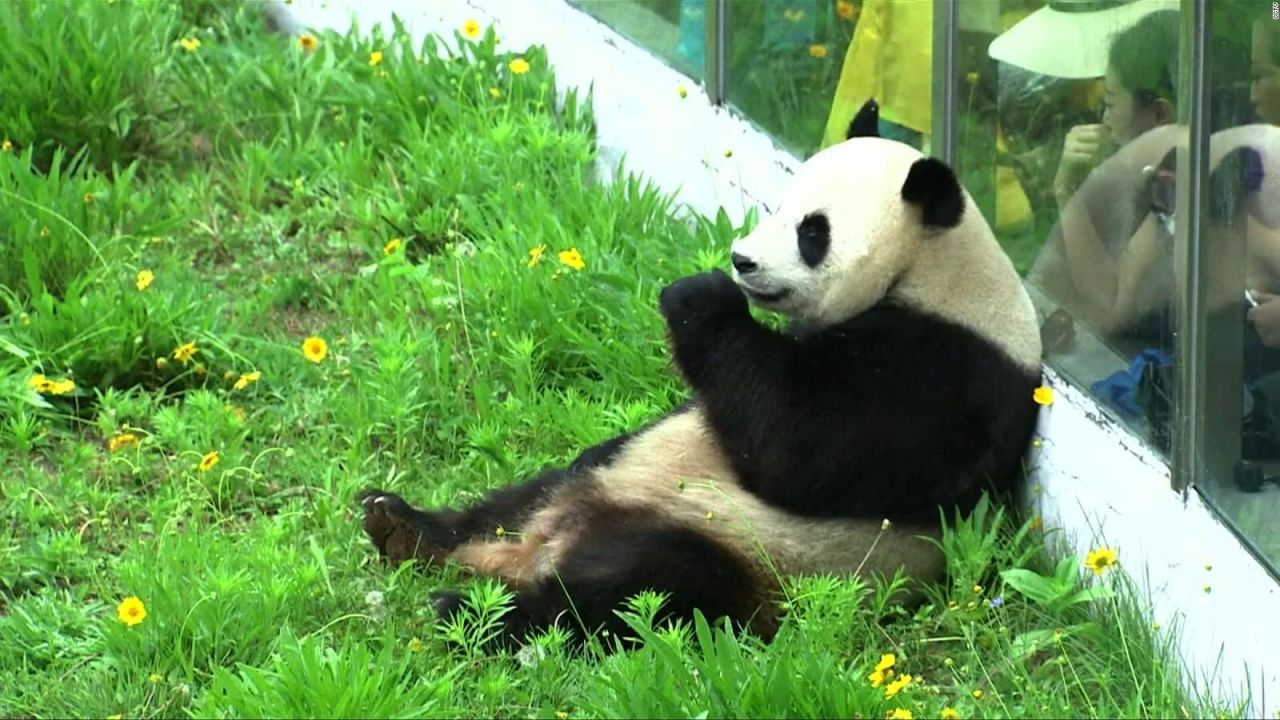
<point x="1120" y="389"/>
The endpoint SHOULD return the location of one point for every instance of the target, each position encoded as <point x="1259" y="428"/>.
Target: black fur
<point x="401" y="532"/>
<point x="631" y="551"/>
<point x="814" y="238"/>
<point x="866" y="123"/>
<point x="891" y="413"/>
<point x="933" y="187"/>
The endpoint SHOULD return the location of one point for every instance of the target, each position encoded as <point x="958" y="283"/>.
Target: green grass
<point x="260" y="184"/>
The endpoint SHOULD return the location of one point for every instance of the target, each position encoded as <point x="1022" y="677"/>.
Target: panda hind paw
<point x="396" y="529"/>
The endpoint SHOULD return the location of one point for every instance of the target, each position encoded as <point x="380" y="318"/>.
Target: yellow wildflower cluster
<point x="570" y="257"/>
<point x="883" y="670"/>
<point x="45" y="386"/>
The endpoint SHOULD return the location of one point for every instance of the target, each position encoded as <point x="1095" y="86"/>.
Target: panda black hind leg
<point x="402" y="532"/>
<point x="617" y="553"/>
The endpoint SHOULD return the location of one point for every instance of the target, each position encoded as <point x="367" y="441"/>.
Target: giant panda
<point x="902" y="387"/>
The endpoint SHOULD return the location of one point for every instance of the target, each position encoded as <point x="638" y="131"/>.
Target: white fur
<point x="877" y="239"/>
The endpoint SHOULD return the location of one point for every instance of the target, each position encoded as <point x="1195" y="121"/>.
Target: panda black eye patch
<point x="813" y="236"/>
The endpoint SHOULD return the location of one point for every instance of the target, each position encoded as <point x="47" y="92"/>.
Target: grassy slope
<point x="262" y="185"/>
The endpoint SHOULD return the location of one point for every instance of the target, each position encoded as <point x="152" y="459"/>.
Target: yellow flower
<point x="1100" y="560"/>
<point x="415" y="645"/>
<point x="977" y="589"/>
<point x="878" y="677"/>
<point x="977" y="694"/>
<point x="154" y="678"/>
<point x="1043" y="395"/>
<point x="208" y="461"/>
<point x="818" y="51"/>
<point x="887" y="661"/>
<point x="561" y="715"/>
<point x="42" y="384"/>
<point x="495" y="92"/>
<point x="572" y="258"/>
<point x="190" y="44"/>
<point x="315" y="349"/>
<point x="535" y="255"/>
<point x="375" y="57"/>
<point x="519" y="66"/>
<point x="131" y="611"/>
<point x="949" y="713"/>
<point x="900" y="714"/>
<point x="185" y="352"/>
<point x="121" y="441"/>
<point x="88" y="198"/>
<point x="846" y="10"/>
<point x="308" y="42"/>
<point x="471" y="29"/>
<point x="6" y="145"/>
<point x="248" y="379"/>
<point x="391" y="246"/>
<point x="144" y="279"/>
<point x="894" y="687"/>
<point x="682" y="91"/>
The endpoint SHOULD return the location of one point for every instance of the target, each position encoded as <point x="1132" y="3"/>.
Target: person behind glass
<point x="1139" y="93"/>
<point x="1102" y="259"/>
<point x="1264" y="94"/>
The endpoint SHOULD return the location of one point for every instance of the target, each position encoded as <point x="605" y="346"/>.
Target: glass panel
<point x="674" y="30"/>
<point x="785" y="58"/>
<point x="1067" y="122"/>
<point x="1241" y="274"/>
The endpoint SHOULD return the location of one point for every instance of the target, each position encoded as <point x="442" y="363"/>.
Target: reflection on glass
<point x="1242" y="278"/>
<point x="674" y="30"/>
<point x="1081" y="128"/>
<point x="783" y="59"/>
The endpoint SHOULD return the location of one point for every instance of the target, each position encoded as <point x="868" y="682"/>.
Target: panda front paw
<point x="697" y="298"/>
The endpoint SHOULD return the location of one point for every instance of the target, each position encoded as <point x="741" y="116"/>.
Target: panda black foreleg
<point x="625" y="557"/>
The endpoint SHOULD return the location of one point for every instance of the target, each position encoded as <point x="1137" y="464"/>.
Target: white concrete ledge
<point x="1096" y="483"/>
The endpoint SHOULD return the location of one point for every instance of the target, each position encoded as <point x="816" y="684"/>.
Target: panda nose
<point x="743" y="264"/>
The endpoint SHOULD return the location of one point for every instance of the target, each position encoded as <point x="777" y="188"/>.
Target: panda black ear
<point x="933" y="187"/>
<point x="1239" y="172"/>
<point x="866" y="123"/>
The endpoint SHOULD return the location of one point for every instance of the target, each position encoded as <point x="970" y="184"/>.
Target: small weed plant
<point x="243" y="275"/>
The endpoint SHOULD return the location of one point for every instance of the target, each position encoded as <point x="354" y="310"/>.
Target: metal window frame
<point x="717" y="14"/>
<point x="942" y="118"/>
<point x="1189" y="458"/>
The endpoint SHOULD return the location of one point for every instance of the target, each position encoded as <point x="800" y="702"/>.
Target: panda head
<point x="851" y="225"/>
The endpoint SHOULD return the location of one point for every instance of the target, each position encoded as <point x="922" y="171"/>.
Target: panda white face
<point x="840" y="238"/>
